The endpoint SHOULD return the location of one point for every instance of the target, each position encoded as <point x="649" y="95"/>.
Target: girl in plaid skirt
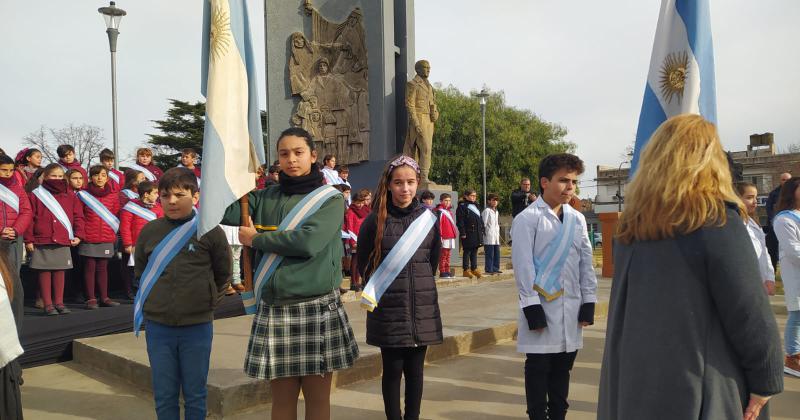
<point x="301" y="333"/>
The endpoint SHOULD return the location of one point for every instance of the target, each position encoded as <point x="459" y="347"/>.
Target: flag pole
<point x="247" y="264"/>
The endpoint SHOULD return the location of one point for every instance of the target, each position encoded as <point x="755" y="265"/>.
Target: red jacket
<point x="154" y="169"/>
<point x="130" y="225"/>
<point x="353" y="218"/>
<point x="8" y="216"/>
<point x="97" y="230"/>
<point x="116" y="186"/>
<point x="76" y="165"/>
<point x="46" y="229"/>
<point x="447" y="228"/>
<point x="22" y="176"/>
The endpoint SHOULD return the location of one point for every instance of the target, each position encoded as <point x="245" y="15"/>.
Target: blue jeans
<point x="792" y="333"/>
<point x="179" y="359"/>
<point x="491" y="258"/>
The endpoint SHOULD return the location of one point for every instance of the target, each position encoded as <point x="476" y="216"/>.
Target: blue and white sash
<point x="162" y="255"/>
<point x="548" y="268"/>
<point x="446" y="213"/>
<point x="99" y="209"/>
<point x="331" y="177"/>
<point x="140" y="211"/>
<point x="473" y="208"/>
<point x="397" y="258"/>
<point x="130" y="194"/>
<point x="143" y="170"/>
<point x="270" y="261"/>
<point x="7" y="196"/>
<point x="53" y="205"/>
<point x="113" y="176"/>
<point x="345" y="235"/>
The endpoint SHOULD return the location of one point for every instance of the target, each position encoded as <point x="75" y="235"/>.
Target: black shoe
<point x="62" y="309"/>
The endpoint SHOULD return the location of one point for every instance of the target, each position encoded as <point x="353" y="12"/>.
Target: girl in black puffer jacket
<point x="470" y="227"/>
<point x="406" y="320"/>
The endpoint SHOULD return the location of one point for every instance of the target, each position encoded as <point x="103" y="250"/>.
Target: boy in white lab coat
<point x="552" y="259"/>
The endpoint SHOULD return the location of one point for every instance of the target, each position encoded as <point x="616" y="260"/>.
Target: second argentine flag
<point x="681" y="76"/>
<point x="232" y="141"/>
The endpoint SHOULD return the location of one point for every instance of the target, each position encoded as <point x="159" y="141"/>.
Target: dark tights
<point x="399" y="362"/>
<point x="95" y="271"/>
<point x="547" y="384"/>
<point x="51" y="285"/>
<point x="355" y="276"/>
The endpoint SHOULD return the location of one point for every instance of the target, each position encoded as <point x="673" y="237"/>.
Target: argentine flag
<point x="232" y="142"/>
<point x="681" y="76"/>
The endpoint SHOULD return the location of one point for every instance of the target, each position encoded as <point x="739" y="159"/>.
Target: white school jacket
<point x="10" y="348"/>
<point x="491" y="226"/>
<point x="532" y="230"/>
<point x="788" y="233"/>
<point x="759" y="241"/>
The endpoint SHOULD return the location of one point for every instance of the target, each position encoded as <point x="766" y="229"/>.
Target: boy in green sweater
<point x="179" y="307"/>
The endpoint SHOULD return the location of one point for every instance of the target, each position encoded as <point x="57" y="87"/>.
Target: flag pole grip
<point x="247" y="263"/>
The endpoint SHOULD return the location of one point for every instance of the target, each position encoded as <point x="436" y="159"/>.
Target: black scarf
<point x="400" y="212"/>
<point x="301" y="184"/>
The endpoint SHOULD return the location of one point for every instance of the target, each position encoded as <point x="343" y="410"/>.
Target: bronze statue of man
<point x="422" y="113"/>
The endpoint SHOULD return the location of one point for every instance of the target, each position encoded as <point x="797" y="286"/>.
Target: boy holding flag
<point x="552" y="259"/>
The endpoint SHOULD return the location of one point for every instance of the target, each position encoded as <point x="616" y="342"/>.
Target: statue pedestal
<point x="436" y="189"/>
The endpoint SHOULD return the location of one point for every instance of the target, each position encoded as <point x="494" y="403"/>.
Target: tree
<point x="87" y="140"/>
<point x="182" y="128"/>
<point x="516" y="140"/>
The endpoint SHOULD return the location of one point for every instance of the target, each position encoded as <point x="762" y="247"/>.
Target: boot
<point x="468" y="273"/>
<point x="477" y="273"/>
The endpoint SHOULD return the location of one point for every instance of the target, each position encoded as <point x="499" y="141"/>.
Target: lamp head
<point x="112" y="15"/>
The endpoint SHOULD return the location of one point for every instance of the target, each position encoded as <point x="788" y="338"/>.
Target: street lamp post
<point x="619" y="186"/>
<point x="483" y="95"/>
<point x="113" y="15"/>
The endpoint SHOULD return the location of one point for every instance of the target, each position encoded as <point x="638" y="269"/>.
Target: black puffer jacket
<point x="408" y="312"/>
<point x="470" y="225"/>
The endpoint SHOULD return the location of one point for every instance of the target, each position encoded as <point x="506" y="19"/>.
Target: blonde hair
<point x="682" y="183"/>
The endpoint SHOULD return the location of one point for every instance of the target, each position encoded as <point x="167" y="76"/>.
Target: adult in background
<point x="691" y="334"/>
<point x="522" y="197"/>
<point x="772" y="203"/>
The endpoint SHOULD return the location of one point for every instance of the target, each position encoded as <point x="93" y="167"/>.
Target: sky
<point x="581" y="64"/>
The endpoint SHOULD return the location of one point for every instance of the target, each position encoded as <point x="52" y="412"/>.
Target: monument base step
<point x="473" y="316"/>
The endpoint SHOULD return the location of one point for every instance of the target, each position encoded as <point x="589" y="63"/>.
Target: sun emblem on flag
<point x="220" y="31"/>
<point x="674" y="71"/>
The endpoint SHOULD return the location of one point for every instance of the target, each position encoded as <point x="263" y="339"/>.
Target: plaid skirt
<point x="302" y="339"/>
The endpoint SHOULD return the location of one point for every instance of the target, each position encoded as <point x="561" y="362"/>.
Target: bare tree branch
<point x="87" y="140"/>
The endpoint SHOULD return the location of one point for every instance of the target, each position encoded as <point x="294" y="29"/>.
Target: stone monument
<point x="422" y="114"/>
<point x="329" y="74"/>
<point x="339" y="69"/>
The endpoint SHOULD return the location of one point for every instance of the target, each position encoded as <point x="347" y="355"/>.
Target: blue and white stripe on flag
<point x="233" y="136"/>
<point x="7" y="196"/>
<point x="99" y="209"/>
<point x="681" y="76"/>
<point x="159" y="259"/>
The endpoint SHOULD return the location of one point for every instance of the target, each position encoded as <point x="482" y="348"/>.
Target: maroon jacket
<point x="97" y="230"/>
<point x="76" y="165"/>
<point x="154" y="169"/>
<point x="115" y="186"/>
<point x="8" y="216"/>
<point x="46" y="229"/>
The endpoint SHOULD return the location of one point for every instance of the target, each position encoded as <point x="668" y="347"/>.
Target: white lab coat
<point x="759" y="241"/>
<point x="491" y="225"/>
<point x="532" y="231"/>
<point x="788" y="233"/>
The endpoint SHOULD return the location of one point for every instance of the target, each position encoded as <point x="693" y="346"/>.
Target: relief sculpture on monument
<point x="329" y="74"/>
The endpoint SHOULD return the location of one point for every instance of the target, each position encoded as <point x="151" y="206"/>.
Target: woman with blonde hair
<point x="690" y="331"/>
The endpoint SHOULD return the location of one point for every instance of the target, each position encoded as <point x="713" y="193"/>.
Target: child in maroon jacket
<point x="131" y="221"/>
<point x="448" y="230"/>
<point x="115" y="177"/>
<point x="353" y="217"/>
<point x="66" y="158"/>
<point x="144" y="163"/>
<point x="50" y="236"/>
<point x="101" y="235"/>
<point x="15" y="216"/>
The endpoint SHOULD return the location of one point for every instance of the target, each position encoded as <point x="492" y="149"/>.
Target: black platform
<point x="48" y="339"/>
